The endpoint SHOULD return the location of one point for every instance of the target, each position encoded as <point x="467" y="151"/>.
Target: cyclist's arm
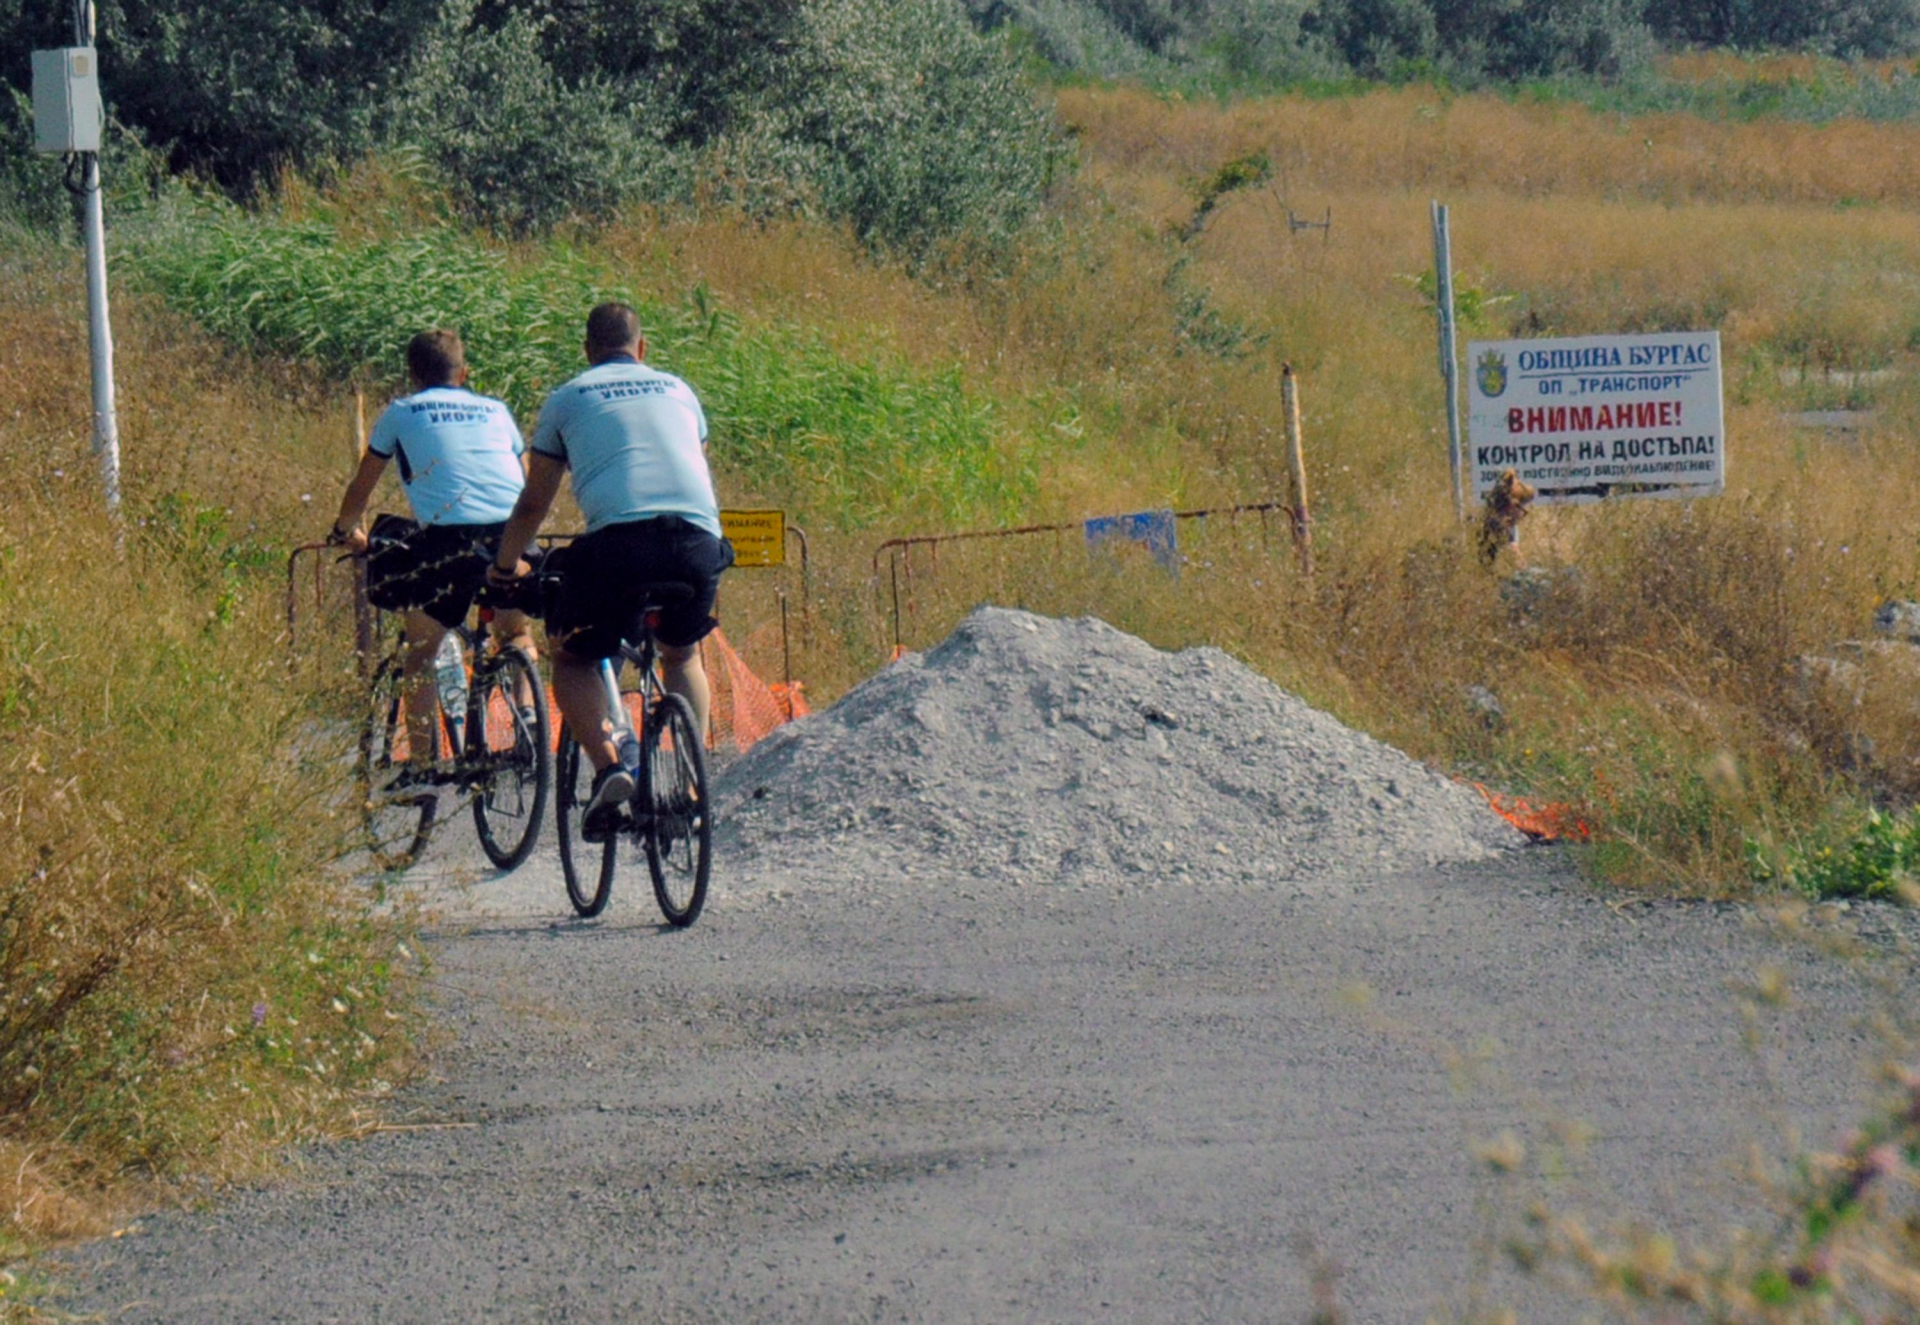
<point x="359" y="493"/>
<point x="519" y="442"/>
<point x="544" y="473"/>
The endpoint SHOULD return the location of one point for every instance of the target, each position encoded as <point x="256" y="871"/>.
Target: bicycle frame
<point x="479" y="649"/>
<point x="618" y="717"/>
<point x="638" y="733"/>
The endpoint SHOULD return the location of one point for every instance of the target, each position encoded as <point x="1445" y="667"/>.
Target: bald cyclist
<point x="634" y="439"/>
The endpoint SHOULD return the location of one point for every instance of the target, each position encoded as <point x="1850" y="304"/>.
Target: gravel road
<point x="892" y="1087"/>
<point x="957" y="1105"/>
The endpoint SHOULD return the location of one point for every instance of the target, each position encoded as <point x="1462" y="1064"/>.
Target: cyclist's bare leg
<point x="583" y="703"/>
<point x="684" y="675"/>
<point x="512" y="628"/>
<point x="416" y="683"/>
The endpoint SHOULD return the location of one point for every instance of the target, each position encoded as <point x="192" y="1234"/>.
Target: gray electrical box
<point x="66" y="100"/>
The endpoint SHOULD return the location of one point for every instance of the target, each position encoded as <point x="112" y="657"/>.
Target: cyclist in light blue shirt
<point x="459" y="458"/>
<point x="635" y="439"/>
<point x="459" y="454"/>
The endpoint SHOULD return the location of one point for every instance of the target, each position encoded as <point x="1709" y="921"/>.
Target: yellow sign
<point x="759" y="538"/>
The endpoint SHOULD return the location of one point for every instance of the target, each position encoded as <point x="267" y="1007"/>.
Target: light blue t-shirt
<point x="459" y="455"/>
<point x="635" y="439"/>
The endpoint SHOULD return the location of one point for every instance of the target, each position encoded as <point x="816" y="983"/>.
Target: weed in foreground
<point x="1879" y="860"/>
<point x="189" y="987"/>
<point x="1844" y="1236"/>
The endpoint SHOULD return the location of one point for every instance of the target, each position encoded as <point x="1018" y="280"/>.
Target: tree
<point x="1870" y="28"/>
<point x="240" y="89"/>
<point x="695" y="63"/>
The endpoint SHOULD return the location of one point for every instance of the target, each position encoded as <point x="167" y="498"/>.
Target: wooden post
<point x="786" y="654"/>
<point x="362" y="610"/>
<point x="1297" y="463"/>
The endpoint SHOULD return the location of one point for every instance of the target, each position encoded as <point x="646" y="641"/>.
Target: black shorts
<point x="601" y="574"/>
<point x="436" y="569"/>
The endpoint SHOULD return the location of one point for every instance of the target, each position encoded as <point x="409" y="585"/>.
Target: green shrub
<point x="1877" y="861"/>
<point x="1267" y="42"/>
<point x="1373" y="36"/>
<point x="695" y="66"/>
<point x="521" y="147"/>
<point x="1871" y="28"/>
<point x="905" y="123"/>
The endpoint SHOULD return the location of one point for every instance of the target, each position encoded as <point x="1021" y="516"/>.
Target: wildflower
<point x="1863" y="1169"/>
<point x="1810" y="1271"/>
<point x="1910" y="1082"/>
<point x="259" y="1015"/>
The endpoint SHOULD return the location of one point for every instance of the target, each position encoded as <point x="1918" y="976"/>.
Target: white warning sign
<point x="1586" y="417"/>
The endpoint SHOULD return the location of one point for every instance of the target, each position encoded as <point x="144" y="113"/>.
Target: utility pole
<point x="106" y="425"/>
<point x="67" y="120"/>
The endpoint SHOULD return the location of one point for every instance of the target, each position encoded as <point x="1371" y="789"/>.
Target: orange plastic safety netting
<point x="746" y="708"/>
<point x="1546" y="823"/>
<point x="499" y="732"/>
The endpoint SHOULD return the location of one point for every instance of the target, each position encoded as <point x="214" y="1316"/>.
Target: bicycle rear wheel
<point x="395" y="822"/>
<point x="511" y="752"/>
<point x="587" y="866"/>
<point x="679" y="828"/>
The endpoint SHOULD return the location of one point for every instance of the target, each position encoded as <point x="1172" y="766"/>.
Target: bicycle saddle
<point x="665" y="593"/>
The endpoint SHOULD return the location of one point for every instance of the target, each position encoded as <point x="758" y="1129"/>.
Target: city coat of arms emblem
<point x="1492" y="373"/>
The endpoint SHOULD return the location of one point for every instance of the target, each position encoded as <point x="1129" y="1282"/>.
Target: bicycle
<point x="669" y="818"/>
<point x="498" y="752"/>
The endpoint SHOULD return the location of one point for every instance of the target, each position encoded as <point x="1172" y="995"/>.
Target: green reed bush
<point x="853" y="441"/>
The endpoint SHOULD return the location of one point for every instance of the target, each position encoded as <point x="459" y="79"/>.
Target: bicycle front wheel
<point x="509" y="743"/>
<point x="395" y="820"/>
<point x="587" y="866"/>
<point x="679" y="828"/>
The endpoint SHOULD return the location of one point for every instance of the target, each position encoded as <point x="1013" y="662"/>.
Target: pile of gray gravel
<point x="1025" y="749"/>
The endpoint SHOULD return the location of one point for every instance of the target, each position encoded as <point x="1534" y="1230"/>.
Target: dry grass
<point x="1426" y="140"/>
<point x="1771" y="67"/>
<point x="188" y="990"/>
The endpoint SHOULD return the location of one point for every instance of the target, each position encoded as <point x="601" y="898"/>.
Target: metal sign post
<point x="1449" y="349"/>
<point x="67" y="120"/>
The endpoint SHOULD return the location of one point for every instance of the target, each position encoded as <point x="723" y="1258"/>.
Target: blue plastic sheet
<point x="1155" y="530"/>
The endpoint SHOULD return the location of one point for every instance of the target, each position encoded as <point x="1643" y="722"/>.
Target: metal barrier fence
<point x="897" y="579"/>
<point x="348" y="586"/>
